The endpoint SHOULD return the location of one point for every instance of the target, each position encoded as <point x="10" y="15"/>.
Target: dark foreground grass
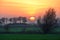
<point x="29" y="36"/>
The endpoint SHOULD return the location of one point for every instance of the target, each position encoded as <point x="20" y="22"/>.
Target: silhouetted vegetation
<point x="45" y="25"/>
<point x="49" y="21"/>
<point x="39" y="21"/>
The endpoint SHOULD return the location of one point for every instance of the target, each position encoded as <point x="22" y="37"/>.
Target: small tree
<point x="49" y="21"/>
<point x="3" y="20"/>
<point x="24" y="19"/>
<point x="6" y="20"/>
<point x="0" y="21"/>
<point x="11" y="20"/>
<point x="15" y="20"/>
<point x="19" y="19"/>
<point x="39" y="21"/>
<point x="39" y="24"/>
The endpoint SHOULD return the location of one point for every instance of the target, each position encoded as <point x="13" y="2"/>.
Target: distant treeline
<point x="47" y="25"/>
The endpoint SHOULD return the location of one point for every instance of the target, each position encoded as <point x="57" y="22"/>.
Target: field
<point x="29" y="36"/>
<point x="20" y="36"/>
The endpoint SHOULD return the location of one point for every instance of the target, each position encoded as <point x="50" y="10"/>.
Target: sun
<point x="32" y="18"/>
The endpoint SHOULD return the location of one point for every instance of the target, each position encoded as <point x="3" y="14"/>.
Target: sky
<point x="27" y="8"/>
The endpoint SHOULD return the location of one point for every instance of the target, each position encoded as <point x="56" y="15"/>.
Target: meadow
<point x="20" y="36"/>
<point x="29" y="36"/>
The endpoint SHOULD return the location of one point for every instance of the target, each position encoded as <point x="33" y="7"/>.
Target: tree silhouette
<point x="0" y="21"/>
<point x="3" y="20"/>
<point x="19" y="19"/>
<point x="14" y="20"/>
<point x="6" y="20"/>
<point x="11" y="20"/>
<point x="38" y="21"/>
<point x="49" y="21"/>
<point x="24" y="19"/>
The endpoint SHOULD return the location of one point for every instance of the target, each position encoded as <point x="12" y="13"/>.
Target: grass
<point x="29" y="36"/>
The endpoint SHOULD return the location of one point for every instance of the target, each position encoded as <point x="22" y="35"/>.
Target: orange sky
<point x="11" y="8"/>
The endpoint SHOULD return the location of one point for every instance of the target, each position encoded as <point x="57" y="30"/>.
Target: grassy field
<point x="29" y="36"/>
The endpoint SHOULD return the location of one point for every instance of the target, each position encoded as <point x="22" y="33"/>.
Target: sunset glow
<point x="27" y="8"/>
<point x="32" y="18"/>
